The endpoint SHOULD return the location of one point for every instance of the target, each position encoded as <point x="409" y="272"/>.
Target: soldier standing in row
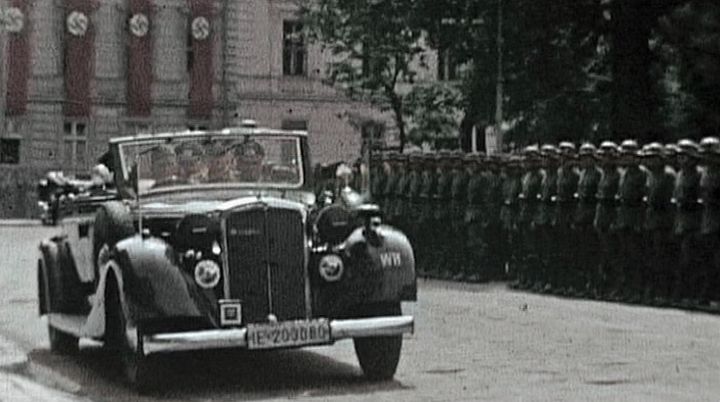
<point x="426" y="237"/>
<point x="510" y="175"/>
<point x="400" y="205"/>
<point x="546" y="238"/>
<point x="442" y="216"/>
<point x="687" y="219"/>
<point x="529" y="194"/>
<point x="628" y="224"/>
<point x="605" y="213"/>
<point x="660" y="253"/>
<point x="567" y="185"/>
<point x="458" y="199"/>
<point x="413" y="202"/>
<point x="388" y="193"/>
<point x="476" y="244"/>
<point x="494" y="259"/>
<point x="378" y="178"/>
<point x="586" y="244"/>
<point x="710" y="224"/>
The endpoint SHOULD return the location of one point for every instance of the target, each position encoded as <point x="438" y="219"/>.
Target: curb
<point x="19" y="222"/>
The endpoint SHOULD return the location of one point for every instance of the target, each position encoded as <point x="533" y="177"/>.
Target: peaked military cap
<point x="607" y="147"/>
<point x="531" y="150"/>
<point x="671" y="149"/>
<point x="566" y="147"/>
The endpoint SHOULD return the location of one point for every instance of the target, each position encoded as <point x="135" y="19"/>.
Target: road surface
<point x="472" y="343"/>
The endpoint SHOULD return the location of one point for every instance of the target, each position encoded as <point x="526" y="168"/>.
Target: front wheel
<point x="379" y="355"/>
<point x="135" y="365"/>
<point x="60" y="342"/>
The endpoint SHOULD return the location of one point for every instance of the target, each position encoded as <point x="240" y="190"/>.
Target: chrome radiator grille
<point x="266" y="263"/>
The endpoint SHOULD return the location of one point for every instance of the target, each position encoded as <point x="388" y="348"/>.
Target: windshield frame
<point x="125" y="170"/>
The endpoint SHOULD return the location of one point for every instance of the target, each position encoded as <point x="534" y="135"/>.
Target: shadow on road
<point x="219" y="375"/>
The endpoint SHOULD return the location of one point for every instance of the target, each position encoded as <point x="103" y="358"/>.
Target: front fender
<point x="155" y="287"/>
<point x="375" y="273"/>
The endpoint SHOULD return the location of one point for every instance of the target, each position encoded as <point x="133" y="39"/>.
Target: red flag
<point x="201" y="74"/>
<point x="79" y="56"/>
<point x="140" y="52"/>
<point x="18" y="27"/>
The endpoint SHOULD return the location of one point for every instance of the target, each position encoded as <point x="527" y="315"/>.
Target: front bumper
<point x="237" y="337"/>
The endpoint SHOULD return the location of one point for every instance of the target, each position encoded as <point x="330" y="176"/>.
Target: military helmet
<point x="688" y="147"/>
<point x="653" y="149"/>
<point x="629" y="147"/>
<point x="607" y="148"/>
<point x="566" y="147"/>
<point x="710" y="145"/>
<point x="587" y="149"/>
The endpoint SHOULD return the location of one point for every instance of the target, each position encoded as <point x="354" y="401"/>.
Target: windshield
<point x="247" y="160"/>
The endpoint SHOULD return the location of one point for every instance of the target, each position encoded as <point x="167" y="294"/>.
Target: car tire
<point x="60" y="342"/>
<point x="135" y="366"/>
<point x="112" y="224"/>
<point x="379" y="355"/>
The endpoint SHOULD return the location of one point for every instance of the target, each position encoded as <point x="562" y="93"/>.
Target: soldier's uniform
<point x="628" y="224"/>
<point x="528" y="264"/>
<point x="413" y="203"/>
<point x="494" y="260"/>
<point x="426" y="220"/>
<point x="709" y="286"/>
<point x="546" y="237"/>
<point x="605" y="214"/>
<point x="586" y="244"/>
<point x="510" y="175"/>
<point x="687" y="220"/>
<point x="458" y="199"/>
<point x="391" y="184"/>
<point x="401" y="205"/>
<point x="659" y="213"/>
<point x="565" y="205"/>
<point x="378" y="179"/>
<point x="443" y="229"/>
<point x="476" y="247"/>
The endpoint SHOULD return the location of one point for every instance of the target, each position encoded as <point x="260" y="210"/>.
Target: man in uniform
<point x="458" y="199"/>
<point x="391" y="183"/>
<point x="687" y="220"/>
<point x="494" y="261"/>
<point x="586" y="277"/>
<point x="510" y="175"/>
<point x="628" y="224"/>
<point x="400" y="205"/>
<point x="659" y="212"/>
<point x="709" y="286"/>
<point x="565" y="204"/>
<point x="426" y="232"/>
<point x="605" y="213"/>
<point x="546" y="237"/>
<point x="527" y="258"/>
<point x="413" y="204"/>
<point x="442" y="215"/>
<point x="378" y="178"/>
<point x="476" y="247"/>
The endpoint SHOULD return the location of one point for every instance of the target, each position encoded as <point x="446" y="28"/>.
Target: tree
<point x="374" y="44"/>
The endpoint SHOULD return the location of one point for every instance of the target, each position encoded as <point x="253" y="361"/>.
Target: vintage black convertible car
<point x="215" y="239"/>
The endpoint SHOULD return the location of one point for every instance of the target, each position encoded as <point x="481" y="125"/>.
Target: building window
<point x="294" y="51"/>
<point x="9" y="151"/>
<point x="75" y="146"/>
<point x="294" y="124"/>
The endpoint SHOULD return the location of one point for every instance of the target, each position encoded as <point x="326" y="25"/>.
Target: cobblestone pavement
<point x="472" y="342"/>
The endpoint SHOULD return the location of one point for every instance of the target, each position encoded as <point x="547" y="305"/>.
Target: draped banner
<point x="201" y="74"/>
<point x="18" y="28"/>
<point x="140" y="52"/>
<point x="79" y="56"/>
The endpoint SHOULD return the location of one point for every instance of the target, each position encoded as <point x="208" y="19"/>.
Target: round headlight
<point x="331" y="268"/>
<point x="207" y="274"/>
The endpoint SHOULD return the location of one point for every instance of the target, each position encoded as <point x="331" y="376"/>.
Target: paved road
<point x="472" y="342"/>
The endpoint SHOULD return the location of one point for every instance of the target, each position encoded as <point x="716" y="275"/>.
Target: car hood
<point x="182" y="204"/>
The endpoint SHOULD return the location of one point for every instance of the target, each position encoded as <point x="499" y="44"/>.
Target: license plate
<point x="288" y="333"/>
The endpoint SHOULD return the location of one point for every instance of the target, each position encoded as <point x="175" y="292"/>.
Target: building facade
<point x="78" y="72"/>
